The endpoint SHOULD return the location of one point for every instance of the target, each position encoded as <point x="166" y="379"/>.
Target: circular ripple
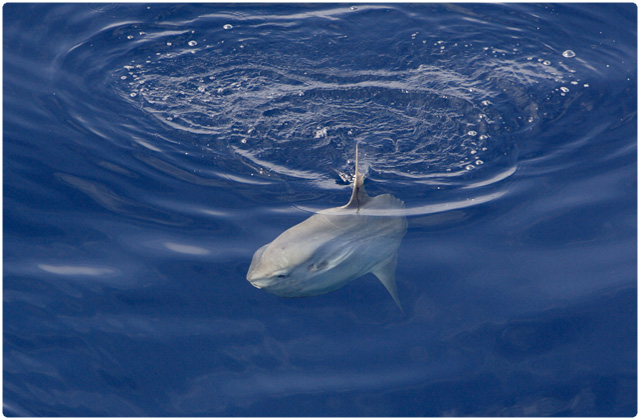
<point x="442" y="112"/>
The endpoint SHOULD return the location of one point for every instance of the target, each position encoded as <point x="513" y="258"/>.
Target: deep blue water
<point x="149" y="150"/>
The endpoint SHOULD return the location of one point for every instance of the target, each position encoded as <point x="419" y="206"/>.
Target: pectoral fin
<point x="386" y="273"/>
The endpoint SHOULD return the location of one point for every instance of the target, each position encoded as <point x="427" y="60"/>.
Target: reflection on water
<point x="73" y="270"/>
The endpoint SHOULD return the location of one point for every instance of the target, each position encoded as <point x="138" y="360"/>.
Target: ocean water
<point x="150" y="149"/>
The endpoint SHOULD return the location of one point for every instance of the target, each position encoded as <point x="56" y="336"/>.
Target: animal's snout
<point x="258" y="281"/>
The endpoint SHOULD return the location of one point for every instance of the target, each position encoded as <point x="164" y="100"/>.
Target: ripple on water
<point x="442" y="117"/>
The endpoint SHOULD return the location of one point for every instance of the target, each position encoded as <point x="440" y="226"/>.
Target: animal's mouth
<point x="274" y="285"/>
<point x="258" y="284"/>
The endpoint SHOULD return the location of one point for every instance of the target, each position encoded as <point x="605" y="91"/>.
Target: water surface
<point x="149" y="150"/>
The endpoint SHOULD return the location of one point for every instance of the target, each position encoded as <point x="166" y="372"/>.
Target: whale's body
<point x="334" y="247"/>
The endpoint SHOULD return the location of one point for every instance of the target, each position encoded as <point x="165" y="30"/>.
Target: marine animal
<point x="334" y="246"/>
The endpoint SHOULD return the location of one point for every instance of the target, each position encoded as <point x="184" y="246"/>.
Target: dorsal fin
<point x="358" y="195"/>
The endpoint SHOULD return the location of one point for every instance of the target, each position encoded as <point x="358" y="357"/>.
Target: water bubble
<point x="354" y="8"/>
<point x="123" y="77"/>
<point x="479" y="162"/>
<point x="568" y="54"/>
<point x="469" y="167"/>
<point x="486" y="103"/>
<point x="322" y="132"/>
<point x="228" y="26"/>
<point x="168" y="44"/>
<point x="130" y="37"/>
<point x="243" y="141"/>
<point x="586" y="85"/>
<point x="192" y="43"/>
<point x="546" y="62"/>
<point x="472" y="133"/>
<point x="200" y="88"/>
<point x="133" y="94"/>
<point x="564" y="89"/>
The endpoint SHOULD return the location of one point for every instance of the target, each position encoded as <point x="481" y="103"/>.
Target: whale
<point x="334" y="247"/>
